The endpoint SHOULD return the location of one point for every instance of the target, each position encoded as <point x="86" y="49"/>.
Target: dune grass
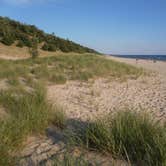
<point x="129" y="135"/>
<point x="25" y="101"/>
<point x="59" y="118"/>
<point x="59" y="69"/>
<point x="29" y="113"/>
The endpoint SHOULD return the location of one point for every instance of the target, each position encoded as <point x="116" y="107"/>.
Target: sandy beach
<point x="158" y="66"/>
<point x="85" y="101"/>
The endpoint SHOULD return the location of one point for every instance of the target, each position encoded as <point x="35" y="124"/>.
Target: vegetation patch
<point x="29" y="113"/>
<point x="129" y="135"/>
<point x="67" y="67"/>
<point x="59" y="118"/>
<point x="13" y="31"/>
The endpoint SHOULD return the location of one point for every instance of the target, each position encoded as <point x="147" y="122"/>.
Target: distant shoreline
<point x="153" y="65"/>
<point x="143" y="57"/>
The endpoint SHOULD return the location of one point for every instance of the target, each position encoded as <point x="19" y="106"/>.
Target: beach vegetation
<point x="129" y="135"/>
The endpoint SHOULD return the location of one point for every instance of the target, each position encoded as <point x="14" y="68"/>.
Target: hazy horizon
<point x="109" y="26"/>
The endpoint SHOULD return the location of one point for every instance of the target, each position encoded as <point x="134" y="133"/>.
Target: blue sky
<point x="110" y="26"/>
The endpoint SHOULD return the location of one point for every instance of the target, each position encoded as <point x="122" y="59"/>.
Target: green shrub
<point x="49" y="47"/>
<point x="11" y="31"/>
<point x="26" y="41"/>
<point x="20" y="44"/>
<point x="7" y="40"/>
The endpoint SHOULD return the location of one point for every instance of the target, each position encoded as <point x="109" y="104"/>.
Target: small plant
<point x="20" y="44"/>
<point x="49" y="47"/>
<point x="13" y="81"/>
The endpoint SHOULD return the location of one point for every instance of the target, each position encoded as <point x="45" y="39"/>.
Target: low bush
<point x="7" y="40"/>
<point x="20" y="44"/>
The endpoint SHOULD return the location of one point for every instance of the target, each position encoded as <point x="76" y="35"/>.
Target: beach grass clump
<point x="128" y="135"/>
<point x="29" y="113"/>
<point x="59" y="118"/>
<point x="139" y="138"/>
<point x="67" y="67"/>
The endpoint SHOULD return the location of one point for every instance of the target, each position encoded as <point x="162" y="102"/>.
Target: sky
<point x="109" y="26"/>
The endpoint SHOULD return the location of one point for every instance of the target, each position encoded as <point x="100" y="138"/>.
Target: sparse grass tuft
<point x="57" y="78"/>
<point x="129" y="135"/>
<point x="13" y="81"/>
<point x="59" y="118"/>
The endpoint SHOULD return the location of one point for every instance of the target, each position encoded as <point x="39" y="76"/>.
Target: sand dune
<point x="85" y="101"/>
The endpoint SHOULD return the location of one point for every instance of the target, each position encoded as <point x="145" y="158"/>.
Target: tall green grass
<point x="129" y="135"/>
<point x="59" y="118"/>
<point x="28" y="114"/>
